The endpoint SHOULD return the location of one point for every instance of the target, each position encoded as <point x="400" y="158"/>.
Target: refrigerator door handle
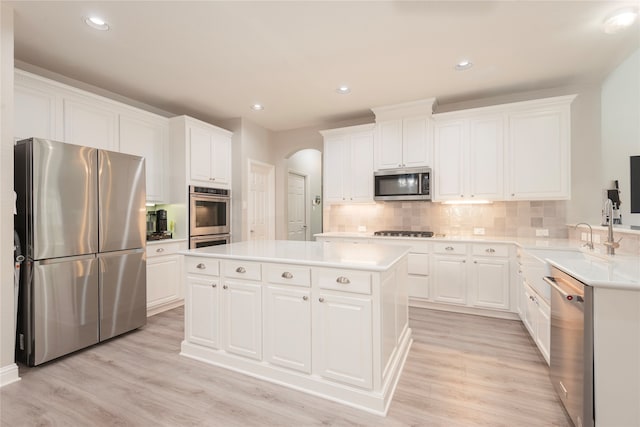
<point x="118" y="253"/>
<point x="65" y="259"/>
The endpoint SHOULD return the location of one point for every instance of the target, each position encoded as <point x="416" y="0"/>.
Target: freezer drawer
<point x="65" y="307"/>
<point x="123" y="292"/>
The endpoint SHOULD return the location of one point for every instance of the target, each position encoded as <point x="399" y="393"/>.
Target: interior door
<point x="261" y="209"/>
<point x="296" y="209"/>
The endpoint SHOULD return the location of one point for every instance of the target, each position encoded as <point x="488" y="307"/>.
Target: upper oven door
<point x="208" y="215"/>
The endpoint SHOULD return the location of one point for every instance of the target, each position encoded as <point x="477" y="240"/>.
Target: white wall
<point x="309" y="163"/>
<point x="8" y="369"/>
<point x="621" y="129"/>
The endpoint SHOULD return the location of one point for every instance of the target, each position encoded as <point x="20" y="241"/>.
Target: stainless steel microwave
<point x="403" y="184"/>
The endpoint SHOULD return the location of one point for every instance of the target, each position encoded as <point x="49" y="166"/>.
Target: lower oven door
<point x="196" y="242"/>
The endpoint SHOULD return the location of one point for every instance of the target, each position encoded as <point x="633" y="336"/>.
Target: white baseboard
<point x="500" y="314"/>
<point x="9" y="374"/>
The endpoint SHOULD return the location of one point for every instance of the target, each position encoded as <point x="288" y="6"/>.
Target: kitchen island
<point x="327" y="319"/>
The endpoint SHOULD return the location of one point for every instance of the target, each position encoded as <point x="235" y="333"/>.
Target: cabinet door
<point x="416" y="144"/>
<point x="343" y="340"/>
<point x="287" y="328"/>
<point x="486" y="158"/>
<point x="539" y="162"/>
<point x="35" y="112"/>
<point x="450" y="151"/>
<point x="490" y="283"/>
<point x="336" y="154"/>
<point x="543" y="329"/>
<point x="200" y="154"/>
<point x="530" y="308"/>
<point x="388" y="143"/>
<point x="164" y="275"/>
<point x="147" y="138"/>
<point x="242" y="324"/>
<point x="203" y="311"/>
<point x="361" y="169"/>
<point x="449" y="279"/>
<point x="90" y="122"/>
<point x="221" y="159"/>
<point x="418" y="269"/>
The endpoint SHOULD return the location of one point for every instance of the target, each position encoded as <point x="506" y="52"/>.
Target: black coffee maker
<point x="161" y="221"/>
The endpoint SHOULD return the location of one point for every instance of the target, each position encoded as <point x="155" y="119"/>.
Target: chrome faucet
<point x="589" y="244"/>
<point x="610" y="243"/>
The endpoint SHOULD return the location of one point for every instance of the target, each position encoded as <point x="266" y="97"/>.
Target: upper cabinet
<point x="403" y="135"/>
<point x="539" y="155"/>
<point x="208" y="151"/>
<point x="469" y="157"/>
<point x="48" y="109"/>
<point x="348" y="164"/>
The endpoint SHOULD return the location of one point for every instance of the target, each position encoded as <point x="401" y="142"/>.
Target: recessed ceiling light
<point x="343" y="90"/>
<point x="465" y="64"/>
<point x="257" y="107"/>
<point x="97" y="23"/>
<point x="619" y="20"/>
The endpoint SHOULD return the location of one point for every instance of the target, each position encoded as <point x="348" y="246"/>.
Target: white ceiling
<point x="212" y="60"/>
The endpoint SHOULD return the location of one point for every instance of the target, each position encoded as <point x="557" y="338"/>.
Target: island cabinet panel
<point x="242" y="311"/>
<point x="287" y="327"/>
<point x="202" y="319"/>
<point x="343" y="339"/>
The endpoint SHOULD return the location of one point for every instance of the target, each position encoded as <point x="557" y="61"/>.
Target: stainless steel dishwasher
<point x="572" y="345"/>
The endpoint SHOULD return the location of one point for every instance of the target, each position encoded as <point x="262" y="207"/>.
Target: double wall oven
<point x="209" y="217"/>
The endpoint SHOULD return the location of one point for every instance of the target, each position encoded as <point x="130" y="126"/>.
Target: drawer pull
<point x="343" y="280"/>
<point x="304" y="298"/>
<point x="213" y="285"/>
<point x="241" y="270"/>
<point x="321" y="299"/>
<point x="225" y="287"/>
<point x="287" y="275"/>
<point x="160" y="250"/>
<point x="201" y="266"/>
<point x="448" y="248"/>
<point x="490" y="251"/>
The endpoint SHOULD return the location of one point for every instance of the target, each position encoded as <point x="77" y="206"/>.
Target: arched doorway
<point x="304" y="194"/>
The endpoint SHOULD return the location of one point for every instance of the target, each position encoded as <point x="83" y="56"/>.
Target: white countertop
<point x="374" y="257"/>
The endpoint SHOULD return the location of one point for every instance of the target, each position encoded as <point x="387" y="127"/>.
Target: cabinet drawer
<point x="288" y="274"/>
<point x="418" y="264"/>
<point x="342" y="280"/>
<point x="450" y="248"/>
<point x="202" y="265"/>
<point x="242" y="270"/>
<point x="490" y="250"/>
<point x="160" y="249"/>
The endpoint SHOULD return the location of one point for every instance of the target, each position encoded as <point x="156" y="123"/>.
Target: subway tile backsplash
<point x="499" y="219"/>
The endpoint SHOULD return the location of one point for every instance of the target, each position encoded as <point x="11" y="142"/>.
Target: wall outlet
<point x="542" y="232"/>
<point x="583" y="237"/>
<point x="478" y="231"/>
<point x="362" y="229"/>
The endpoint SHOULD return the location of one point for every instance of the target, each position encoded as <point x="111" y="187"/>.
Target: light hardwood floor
<point x="462" y="370"/>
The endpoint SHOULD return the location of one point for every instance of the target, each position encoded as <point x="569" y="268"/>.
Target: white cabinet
<point x="242" y="323"/>
<point x="469" y="157"/>
<point x="91" y="122"/>
<point x="36" y="109"/>
<point x="489" y="286"/>
<point x="537" y="319"/>
<point x="209" y="153"/>
<point x="165" y="289"/>
<point x="202" y="319"/>
<point x="343" y="339"/>
<point x="539" y="155"/>
<point x="348" y="164"/>
<point x="403" y="135"/>
<point x="449" y="279"/>
<point x="147" y="135"/>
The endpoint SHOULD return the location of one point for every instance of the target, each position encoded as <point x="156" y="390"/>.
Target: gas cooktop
<point x="396" y="233"/>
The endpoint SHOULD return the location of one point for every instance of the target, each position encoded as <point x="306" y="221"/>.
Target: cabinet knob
<point x="212" y="179"/>
<point x="473" y="195"/>
<point x="448" y="248"/>
<point x="490" y="250"/>
<point x="241" y="270"/>
<point x="213" y="285"/>
<point x="321" y="299"/>
<point x="475" y="262"/>
<point x="462" y="195"/>
<point x="464" y="261"/>
<point x="343" y="280"/>
<point x="201" y="266"/>
<point x="304" y="298"/>
<point x="513" y="194"/>
<point x="287" y="275"/>
<point x="225" y="287"/>
<point x="160" y="250"/>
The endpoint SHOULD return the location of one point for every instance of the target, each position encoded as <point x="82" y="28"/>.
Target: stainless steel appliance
<point x="81" y="221"/>
<point x="403" y="233"/>
<point x="209" y="216"/>
<point x="572" y="345"/>
<point x="403" y="184"/>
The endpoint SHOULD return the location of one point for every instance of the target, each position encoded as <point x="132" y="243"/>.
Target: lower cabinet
<point x="536" y="316"/>
<point x="489" y="285"/>
<point x="450" y="279"/>
<point x="343" y="339"/>
<point x="242" y="318"/>
<point x="165" y="277"/>
<point x="203" y="294"/>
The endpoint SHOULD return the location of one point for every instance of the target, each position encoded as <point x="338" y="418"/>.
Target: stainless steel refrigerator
<point x="81" y="222"/>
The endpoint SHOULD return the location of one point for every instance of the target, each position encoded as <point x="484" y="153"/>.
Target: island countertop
<point x="373" y="257"/>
